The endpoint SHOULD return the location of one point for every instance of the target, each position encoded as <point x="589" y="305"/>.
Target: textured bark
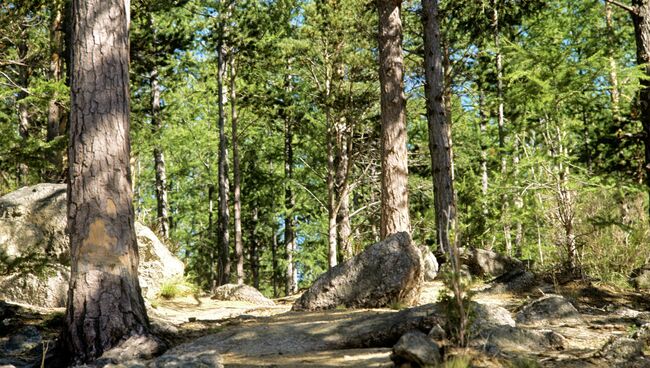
<point x="224" y="214"/>
<point x="24" y="72"/>
<point x="212" y="252"/>
<point x="439" y="127"/>
<point x="274" y="263"/>
<point x="55" y="113"/>
<point x="239" y="245"/>
<point x="159" y="158"/>
<point x="254" y="257"/>
<point x="484" y="170"/>
<point x="385" y="273"/>
<point x="394" y="160"/>
<point x="343" y="168"/>
<point x="105" y="304"/>
<point x="641" y="20"/>
<point x="291" y="285"/>
<point x="331" y="195"/>
<point x="613" y="75"/>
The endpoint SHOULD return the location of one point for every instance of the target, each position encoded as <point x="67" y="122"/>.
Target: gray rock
<point x="621" y="349"/>
<point x="134" y="348"/>
<point x="24" y="340"/>
<point x="548" y="310"/>
<point x="34" y="249"/>
<point x="486" y="263"/>
<point x="517" y="340"/>
<point x="430" y="264"/>
<point x="515" y="281"/>
<point x="243" y="293"/>
<point x="189" y="356"/>
<point x="415" y="347"/>
<point x="488" y="316"/>
<point x="640" y="277"/>
<point x="437" y="333"/>
<point x="385" y="273"/>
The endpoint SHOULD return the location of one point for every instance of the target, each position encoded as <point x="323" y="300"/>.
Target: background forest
<point x="256" y="133"/>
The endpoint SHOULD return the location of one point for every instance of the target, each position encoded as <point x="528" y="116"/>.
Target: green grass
<point x="177" y="287"/>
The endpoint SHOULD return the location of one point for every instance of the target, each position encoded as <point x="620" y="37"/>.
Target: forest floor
<point x="247" y="335"/>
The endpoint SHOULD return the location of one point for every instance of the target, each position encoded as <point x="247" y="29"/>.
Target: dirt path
<point x="241" y="334"/>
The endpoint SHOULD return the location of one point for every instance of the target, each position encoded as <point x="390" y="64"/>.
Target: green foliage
<point x="177" y="287"/>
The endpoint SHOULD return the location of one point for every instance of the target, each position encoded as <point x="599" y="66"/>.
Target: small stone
<point x="621" y="349"/>
<point x="437" y="333"/>
<point x="415" y="347"/>
<point x="245" y="293"/>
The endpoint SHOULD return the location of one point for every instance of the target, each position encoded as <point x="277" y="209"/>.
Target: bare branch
<point x="623" y="6"/>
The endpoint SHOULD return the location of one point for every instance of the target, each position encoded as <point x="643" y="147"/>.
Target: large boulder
<point x="244" y="293"/>
<point x="34" y="249"/>
<point x="486" y="263"/>
<point x="386" y="273"/>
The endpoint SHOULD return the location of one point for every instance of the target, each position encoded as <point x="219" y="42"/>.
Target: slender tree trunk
<point x="254" y="257"/>
<point x="105" y="304"/>
<point x="344" y="227"/>
<point x="24" y="72"/>
<point x="613" y="76"/>
<point x="331" y="177"/>
<point x="343" y="168"/>
<point x="439" y="127"/>
<point x="394" y="158"/>
<point x="239" y="245"/>
<point x="641" y="20"/>
<point x="289" y="201"/>
<point x="55" y="114"/>
<point x="224" y="215"/>
<point x="212" y="253"/>
<point x="501" y="125"/>
<point x="483" y="137"/>
<point x="159" y="157"/>
<point x="274" y="263"/>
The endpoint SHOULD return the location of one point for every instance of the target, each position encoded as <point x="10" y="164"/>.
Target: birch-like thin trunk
<point x="254" y="257"/>
<point x="394" y="156"/>
<point x="613" y="75"/>
<point x="239" y="245"/>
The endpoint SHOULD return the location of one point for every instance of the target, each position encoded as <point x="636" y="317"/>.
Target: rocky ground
<point x="538" y="328"/>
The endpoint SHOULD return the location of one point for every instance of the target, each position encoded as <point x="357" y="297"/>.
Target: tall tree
<point x="439" y="126"/>
<point x="223" y="214"/>
<point x="105" y="303"/>
<point x="394" y="160"/>
<point x="236" y="172"/>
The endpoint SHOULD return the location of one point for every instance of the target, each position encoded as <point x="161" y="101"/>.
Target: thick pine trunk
<point x="105" y="304"/>
<point x="239" y="244"/>
<point x="224" y="215"/>
<point x="394" y="160"/>
<point x="159" y="158"/>
<point x="439" y="126"/>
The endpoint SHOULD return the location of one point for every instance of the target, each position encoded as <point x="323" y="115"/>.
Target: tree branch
<point x="623" y="6"/>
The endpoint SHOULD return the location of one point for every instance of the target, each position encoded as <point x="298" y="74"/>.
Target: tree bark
<point x="105" y="304"/>
<point x="439" y="127"/>
<point x="55" y="114"/>
<point x="613" y="75"/>
<point x="239" y="245"/>
<point x="159" y="158"/>
<point x="224" y="215"/>
<point x="291" y="285"/>
<point x="394" y="159"/>
<point x="331" y="194"/>
<point x="24" y="72"/>
<point x="253" y="252"/>
<point x="641" y="20"/>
